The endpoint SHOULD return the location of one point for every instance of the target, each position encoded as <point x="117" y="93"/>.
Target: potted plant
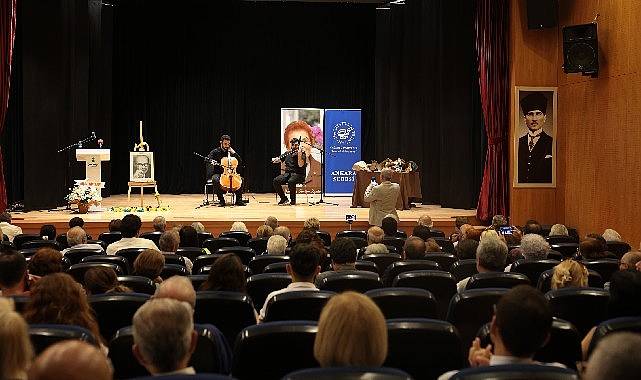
<point x="84" y="196"/>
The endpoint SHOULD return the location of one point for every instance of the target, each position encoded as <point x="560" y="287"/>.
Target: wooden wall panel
<point x="598" y="133"/>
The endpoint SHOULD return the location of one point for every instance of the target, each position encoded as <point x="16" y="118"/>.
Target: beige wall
<point x="598" y="121"/>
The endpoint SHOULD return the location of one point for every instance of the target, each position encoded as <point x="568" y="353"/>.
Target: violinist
<point x="295" y="160"/>
<point x="225" y="177"/>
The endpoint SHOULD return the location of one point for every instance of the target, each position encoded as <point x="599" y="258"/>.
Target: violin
<point x="289" y="152"/>
<point x="230" y="180"/>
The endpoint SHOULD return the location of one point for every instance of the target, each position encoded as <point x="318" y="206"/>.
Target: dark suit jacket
<point x="535" y="166"/>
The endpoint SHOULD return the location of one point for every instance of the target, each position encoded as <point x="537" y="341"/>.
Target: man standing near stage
<point x="217" y="154"/>
<point x="295" y="160"/>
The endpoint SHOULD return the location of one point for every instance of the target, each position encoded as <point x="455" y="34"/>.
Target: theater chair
<point x="404" y="302"/>
<point x="304" y="305"/>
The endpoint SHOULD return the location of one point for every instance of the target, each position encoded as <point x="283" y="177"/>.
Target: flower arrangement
<point x="318" y="136"/>
<point x="84" y="194"/>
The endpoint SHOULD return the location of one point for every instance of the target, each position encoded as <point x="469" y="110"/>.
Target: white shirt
<point x="10" y="230"/>
<point x="132" y="242"/>
<point x="294" y="286"/>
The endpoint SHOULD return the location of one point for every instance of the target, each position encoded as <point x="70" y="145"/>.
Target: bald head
<point x="73" y="360"/>
<point x="179" y="288"/>
<point x="425" y="220"/>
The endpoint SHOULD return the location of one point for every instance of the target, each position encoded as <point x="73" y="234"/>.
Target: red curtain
<point x="492" y="27"/>
<point x="7" y="36"/>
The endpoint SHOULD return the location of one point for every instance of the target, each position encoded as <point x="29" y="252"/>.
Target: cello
<point x="230" y="180"/>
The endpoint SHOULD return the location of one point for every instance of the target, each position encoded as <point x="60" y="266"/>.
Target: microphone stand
<point x="68" y="149"/>
<point x="323" y="153"/>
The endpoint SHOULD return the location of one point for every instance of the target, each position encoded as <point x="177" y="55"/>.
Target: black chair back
<point x="366" y="265"/>
<point x="259" y="349"/>
<point x="77" y="271"/>
<point x="131" y="254"/>
<point x="348" y="373"/>
<point x="352" y="233"/>
<point x="113" y="259"/>
<point x="190" y="252"/>
<point x="442" y="285"/>
<point x="202" y="236"/>
<point x="276" y="268"/>
<point x="203" y="261"/>
<point x="544" y="284"/>
<point x="463" y="269"/>
<point x="445" y="244"/>
<point x="20" y="239"/>
<point x="404" y="302"/>
<point x="497" y="280"/>
<point x="444" y="260"/>
<point x="359" y="281"/>
<point x="408" y="351"/>
<point x="138" y="284"/>
<point x="41" y="244"/>
<point x="115" y="310"/>
<point x="213" y="244"/>
<point x="619" y="248"/>
<point x="241" y="236"/>
<point x="516" y="372"/>
<point x="566" y="249"/>
<point x="533" y="268"/>
<point x="110" y="237"/>
<point x="197" y="280"/>
<point x="230" y="312"/>
<point x="394" y="241"/>
<point x="260" y="285"/>
<point x="258" y="263"/>
<point x="557" y="239"/>
<point x="62" y="240"/>
<point x="382" y="260"/>
<point x="153" y="236"/>
<point x="583" y="307"/>
<point x="398" y="267"/>
<point x="304" y="305"/>
<point x="631" y="324"/>
<point x="605" y="267"/>
<point x="170" y="270"/>
<point x="259" y="244"/>
<point x="172" y="258"/>
<point x="76" y="255"/>
<point x="327" y="238"/>
<point x="44" y="335"/>
<point x="245" y="253"/>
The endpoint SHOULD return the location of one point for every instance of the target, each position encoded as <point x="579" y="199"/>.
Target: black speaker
<point x="541" y="13"/>
<point x="581" y="49"/>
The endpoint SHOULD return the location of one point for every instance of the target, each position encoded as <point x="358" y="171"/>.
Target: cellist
<point x="225" y="177"/>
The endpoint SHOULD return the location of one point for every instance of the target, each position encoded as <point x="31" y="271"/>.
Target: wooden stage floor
<point x="187" y="208"/>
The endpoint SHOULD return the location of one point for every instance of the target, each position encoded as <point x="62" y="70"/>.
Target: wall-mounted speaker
<point x="541" y="13"/>
<point x="581" y="49"/>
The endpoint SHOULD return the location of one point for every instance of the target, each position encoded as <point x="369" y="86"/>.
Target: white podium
<point x="93" y="159"/>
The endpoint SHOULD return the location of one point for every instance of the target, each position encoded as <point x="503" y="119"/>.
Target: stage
<point x="188" y="208"/>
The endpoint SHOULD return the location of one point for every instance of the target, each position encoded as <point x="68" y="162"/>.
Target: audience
<point x="130" y="229"/>
<point x="421" y="231"/>
<point x="413" y="249"/>
<point x="558" y="230"/>
<point x="188" y="236"/>
<point x="303" y="267"/>
<point x="569" y="274"/>
<point x="199" y="227"/>
<point x="159" y="223"/>
<point x="264" y="231"/>
<point x="466" y="249"/>
<point x="499" y="221"/>
<point x="271" y="221"/>
<point x="71" y="360"/>
<point x="226" y="274"/>
<point x="615" y="357"/>
<point x="342" y="253"/>
<point x="389" y="224"/>
<point x="307" y="236"/>
<point x="77" y="239"/>
<point x="490" y="257"/>
<point x="432" y="246"/>
<point x="169" y="242"/>
<point x="532" y="227"/>
<point x="312" y="223"/>
<point x="238" y="226"/>
<point x="594" y="247"/>
<point x="276" y="245"/>
<point x="284" y="232"/>
<point x="58" y="298"/>
<point x="99" y="280"/>
<point x="48" y="232"/>
<point x="455" y="236"/>
<point x="164" y="336"/>
<point x="15" y="347"/>
<point x="375" y="248"/>
<point x="533" y="246"/>
<point x="149" y="263"/>
<point x="629" y="260"/>
<point x="521" y="325"/>
<point x="114" y="225"/>
<point x="45" y="261"/>
<point x="14" y="276"/>
<point x="7" y="228"/>
<point x="351" y="332"/>
<point x="611" y="235"/>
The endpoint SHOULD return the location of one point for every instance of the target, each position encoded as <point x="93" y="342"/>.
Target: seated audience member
<point x="490" y="234"/>
<point x="276" y="245"/>
<point x="169" y="242"/>
<point x="490" y="257"/>
<point x="226" y="274"/>
<point x="455" y="236"/>
<point x="130" y="229"/>
<point x="414" y="249"/>
<point x="342" y="252"/>
<point x="198" y="227"/>
<point x="615" y="357"/>
<point x="48" y="232"/>
<point x="180" y="288"/>
<point x="71" y="360"/>
<point x="473" y="233"/>
<point x="77" y="239"/>
<point x="629" y="260"/>
<point x="611" y="235"/>
<point x="15" y="347"/>
<point x="159" y="223"/>
<point x="9" y="229"/>
<point x="77" y="221"/>
<point x="45" y="261"/>
<point x="284" y="232"/>
<point x="375" y="248"/>
<point x="432" y="246"/>
<point x="569" y="274"/>
<point x="271" y="221"/>
<point x="382" y="198"/>
<point x="389" y="224"/>
<point x="375" y="235"/>
<point x="14" y="276"/>
<point x="264" y="231"/>
<point x="351" y="332"/>
<point x="149" y="263"/>
<point x="499" y="221"/>
<point x="532" y="227"/>
<point x="238" y="226"/>
<point x="533" y="246"/>
<point x="421" y="231"/>
<point x="558" y="230"/>
<point x="514" y="343"/>
<point x="466" y="249"/>
<point x="307" y="236"/>
<point x="303" y="267"/>
<point x="164" y="336"/>
<point x="188" y="236"/>
<point x="312" y="223"/>
<point x="426" y="220"/>
<point x="625" y="300"/>
<point x="114" y="225"/>
<point x="57" y="298"/>
<point x="101" y="280"/>
<point x="594" y="247"/>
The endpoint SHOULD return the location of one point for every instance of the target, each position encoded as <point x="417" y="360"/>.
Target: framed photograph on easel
<point x="534" y="141"/>
<point x="141" y="166"/>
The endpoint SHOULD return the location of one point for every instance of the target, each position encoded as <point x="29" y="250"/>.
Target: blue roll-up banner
<point x="343" y="149"/>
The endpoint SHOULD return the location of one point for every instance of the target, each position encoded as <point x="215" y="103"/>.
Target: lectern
<point x="93" y="159"/>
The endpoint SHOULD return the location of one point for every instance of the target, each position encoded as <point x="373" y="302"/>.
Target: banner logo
<point x="344" y="132"/>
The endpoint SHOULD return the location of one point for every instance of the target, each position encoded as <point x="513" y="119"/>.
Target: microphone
<point x="100" y="142"/>
<point x="93" y="135"/>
